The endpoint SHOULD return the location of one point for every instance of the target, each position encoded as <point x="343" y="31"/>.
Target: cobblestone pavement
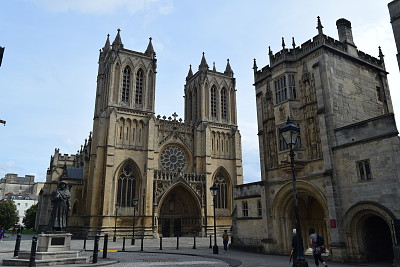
<point x="186" y="255"/>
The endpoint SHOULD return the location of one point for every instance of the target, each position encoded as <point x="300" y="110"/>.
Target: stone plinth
<point x="49" y="242"/>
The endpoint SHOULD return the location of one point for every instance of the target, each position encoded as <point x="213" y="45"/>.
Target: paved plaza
<point x="185" y="255"/>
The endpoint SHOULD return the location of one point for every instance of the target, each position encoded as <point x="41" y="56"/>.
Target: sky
<point x="49" y="69"/>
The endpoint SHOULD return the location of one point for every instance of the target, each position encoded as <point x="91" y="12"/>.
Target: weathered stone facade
<point x="167" y="164"/>
<point x="347" y="157"/>
<point x="394" y="10"/>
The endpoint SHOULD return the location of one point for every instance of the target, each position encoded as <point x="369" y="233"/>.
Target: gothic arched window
<point x="127" y="179"/>
<point x="223" y="103"/>
<point x="139" y="87"/>
<point x="126" y="82"/>
<point x="221" y="199"/>
<point x="213" y="101"/>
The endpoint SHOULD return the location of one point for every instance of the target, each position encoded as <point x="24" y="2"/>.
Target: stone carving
<point x="60" y="200"/>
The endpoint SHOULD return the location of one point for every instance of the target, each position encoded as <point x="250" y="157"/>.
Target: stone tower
<point x="164" y="164"/>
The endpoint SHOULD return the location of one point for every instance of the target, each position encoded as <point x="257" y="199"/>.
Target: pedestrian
<point x="225" y="239"/>
<point x="293" y="253"/>
<point x="2" y="233"/>
<point x="317" y="243"/>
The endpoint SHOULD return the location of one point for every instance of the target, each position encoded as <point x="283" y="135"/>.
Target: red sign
<point x="333" y="223"/>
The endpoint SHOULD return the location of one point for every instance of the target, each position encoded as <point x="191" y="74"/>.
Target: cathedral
<point x="346" y="156"/>
<point x="144" y="175"/>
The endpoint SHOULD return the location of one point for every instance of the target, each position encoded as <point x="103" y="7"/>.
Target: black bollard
<point x="177" y="242"/>
<point x="84" y="243"/>
<point x="96" y="248"/>
<point x="194" y="241"/>
<point x="141" y="245"/>
<point x="160" y="242"/>
<point x="105" y="246"/>
<point x="32" y="259"/>
<point x="17" y="245"/>
<point x="123" y="243"/>
<point x="210" y="242"/>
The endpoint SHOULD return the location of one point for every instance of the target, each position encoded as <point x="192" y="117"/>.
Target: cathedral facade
<point x="346" y="158"/>
<point x="146" y="172"/>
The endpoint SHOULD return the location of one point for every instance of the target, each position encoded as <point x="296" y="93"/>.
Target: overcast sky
<point x="49" y="69"/>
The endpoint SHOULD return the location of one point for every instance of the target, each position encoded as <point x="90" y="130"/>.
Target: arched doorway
<point x="377" y="239"/>
<point x="312" y="212"/>
<point x="179" y="213"/>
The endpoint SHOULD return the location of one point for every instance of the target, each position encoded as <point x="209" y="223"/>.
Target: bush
<point x="30" y="217"/>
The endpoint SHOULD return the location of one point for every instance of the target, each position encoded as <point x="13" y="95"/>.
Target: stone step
<point x="50" y="255"/>
<point x="49" y="262"/>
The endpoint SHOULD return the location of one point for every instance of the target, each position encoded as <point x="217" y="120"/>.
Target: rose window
<point x="173" y="159"/>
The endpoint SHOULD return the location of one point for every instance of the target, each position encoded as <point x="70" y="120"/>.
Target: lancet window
<point x="221" y="199"/>
<point x="126" y="81"/>
<point x="139" y="87"/>
<point x="213" y="101"/>
<point x="127" y="179"/>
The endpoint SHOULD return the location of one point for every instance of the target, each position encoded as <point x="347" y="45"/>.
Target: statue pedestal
<point x="49" y="242"/>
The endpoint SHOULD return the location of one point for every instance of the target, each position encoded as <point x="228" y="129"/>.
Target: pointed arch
<point x="224" y="103"/>
<point x="223" y="181"/>
<point x="128" y="182"/>
<point x="139" y="87"/>
<point x="126" y="84"/>
<point x="213" y="101"/>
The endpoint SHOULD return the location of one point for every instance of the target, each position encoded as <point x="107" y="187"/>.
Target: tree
<point x="8" y="213"/>
<point x="30" y="217"/>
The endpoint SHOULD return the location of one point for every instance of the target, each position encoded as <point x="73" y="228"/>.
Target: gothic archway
<point x="179" y="213"/>
<point x="369" y="236"/>
<point x="312" y="212"/>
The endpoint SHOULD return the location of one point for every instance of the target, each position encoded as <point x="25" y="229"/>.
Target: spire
<point x="228" y="70"/>
<point x="203" y="64"/>
<point x="214" y="69"/>
<point x="269" y="51"/>
<point x="255" y="65"/>
<point x="117" y="44"/>
<point x="381" y="54"/>
<point x="107" y="46"/>
<point x="293" y="43"/>
<point x="150" y="49"/>
<point x="319" y="26"/>
<point x="283" y="43"/>
<point x="190" y="73"/>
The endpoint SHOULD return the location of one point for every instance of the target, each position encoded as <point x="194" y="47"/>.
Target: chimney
<point x="344" y="31"/>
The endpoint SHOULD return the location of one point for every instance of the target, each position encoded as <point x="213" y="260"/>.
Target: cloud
<point x="106" y="6"/>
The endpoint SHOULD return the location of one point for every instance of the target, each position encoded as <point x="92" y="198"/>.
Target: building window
<point x="139" y="87"/>
<point x="223" y="103"/>
<point x="280" y="90"/>
<point x="126" y="81"/>
<point x="379" y="93"/>
<point x="364" y="170"/>
<point x="173" y="158"/>
<point x="213" y="101"/>
<point x="259" y="208"/>
<point x="292" y="87"/>
<point x="245" y="209"/>
<point x="221" y="199"/>
<point x="126" y="186"/>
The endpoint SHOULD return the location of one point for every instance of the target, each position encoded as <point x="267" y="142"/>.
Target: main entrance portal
<point x="179" y="213"/>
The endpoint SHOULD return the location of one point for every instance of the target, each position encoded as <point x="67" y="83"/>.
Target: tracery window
<point x="223" y="103"/>
<point x="126" y="186"/>
<point x="126" y="81"/>
<point x="292" y="87"/>
<point x="173" y="158"/>
<point x="139" y="87"/>
<point x="213" y="101"/>
<point x="280" y="90"/>
<point x="221" y="199"/>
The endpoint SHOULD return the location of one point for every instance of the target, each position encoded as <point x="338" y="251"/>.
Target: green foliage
<point x="8" y="213"/>
<point x="30" y="217"/>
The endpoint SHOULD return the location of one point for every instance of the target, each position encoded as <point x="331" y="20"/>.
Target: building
<point x="165" y="163"/>
<point x="11" y="184"/>
<point x="346" y="158"/>
<point x="394" y="10"/>
<point x="23" y="203"/>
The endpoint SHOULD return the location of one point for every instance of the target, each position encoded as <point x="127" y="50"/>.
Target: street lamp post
<point x="134" y="203"/>
<point x="214" y="189"/>
<point x="290" y="133"/>
<point x="115" y="222"/>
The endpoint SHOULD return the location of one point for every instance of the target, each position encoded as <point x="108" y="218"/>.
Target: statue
<point x="60" y="199"/>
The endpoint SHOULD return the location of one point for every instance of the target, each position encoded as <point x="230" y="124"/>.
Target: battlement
<point x="172" y="123"/>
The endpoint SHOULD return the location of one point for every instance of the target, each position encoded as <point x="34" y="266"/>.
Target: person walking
<point x="317" y="243"/>
<point x="293" y="253"/>
<point x="225" y="239"/>
<point x="2" y="233"/>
